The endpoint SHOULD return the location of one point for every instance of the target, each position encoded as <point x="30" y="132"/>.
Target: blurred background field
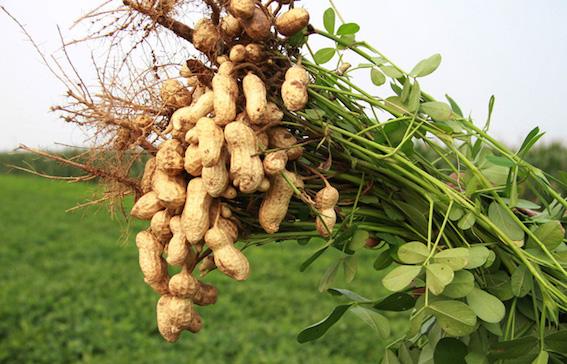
<point x="71" y="290"/>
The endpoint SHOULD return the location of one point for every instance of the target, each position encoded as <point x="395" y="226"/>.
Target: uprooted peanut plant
<point x="249" y="142"/>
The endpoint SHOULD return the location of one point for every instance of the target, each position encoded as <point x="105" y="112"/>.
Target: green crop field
<point x="71" y="292"/>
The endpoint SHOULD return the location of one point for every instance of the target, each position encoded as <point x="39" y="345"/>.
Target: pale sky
<point x="514" y="49"/>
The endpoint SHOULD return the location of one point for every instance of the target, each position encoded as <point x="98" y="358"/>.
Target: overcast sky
<point x="514" y="49"/>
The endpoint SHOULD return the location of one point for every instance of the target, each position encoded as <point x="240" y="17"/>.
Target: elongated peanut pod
<point x="211" y="140"/>
<point x="146" y="182"/>
<point x="275" y="204"/>
<point x="160" y="226"/>
<point x="175" y="314"/>
<point x="242" y="9"/>
<point x="228" y="259"/>
<point x="146" y="206"/>
<point x="177" y="249"/>
<point x="230" y="26"/>
<point x="206" y="36"/>
<point x="184" y="285"/>
<point x="258" y="26"/>
<point x="255" y="94"/>
<point x="174" y="95"/>
<point x="282" y="138"/>
<point x="325" y="201"/>
<point x="195" y="217"/>
<point x="216" y="178"/>
<point x="193" y="164"/>
<point x="294" y="88"/>
<point x="275" y="162"/>
<point x="169" y="157"/>
<point x="245" y="166"/>
<point x="225" y="91"/>
<point x="184" y="118"/>
<point x="292" y="21"/>
<point x="152" y="265"/>
<point x="169" y="189"/>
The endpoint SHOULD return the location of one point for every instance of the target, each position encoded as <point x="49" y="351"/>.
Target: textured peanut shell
<point x="325" y="222"/>
<point x="151" y="263"/>
<point x="325" y="201"/>
<point x="255" y="94"/>
<point x="207" y="265"/>
<point x="297" y="73"/>
<point x="265" y="185"/>
<point x="294" y="95"/>
<point x="262" y="141"/>
<point x="229" y="193"/>
<point x="230" y="26"/>
<point x="160" y="225"/>
<point x="169" y="157"/>
<point x="177" y="249"/>
<point x="174" y="315"/>
<point x="258" y="26"/>
<point x="174" y="95"/>
<point x="228" y="259"/>
<point x="149" y="169"/>
<point x="184" y="285"/>
<point x="184" y="118"/>
<point x="276" y="201"/>
<point x="292" y="21"/>
<point x="327" y="198"/>
<point x="195" y="217"/>
<point x="192" y="163"/>
<point x="142" y="121"/>
<point x="237" y="53"/>
<point x="245" y="166"/>
<point x="206" y="36"/>
<point x="242" y="9"/>
<point x="146" y="206"/>
<point x="275" y="162"/>
<point x="225" y="94"/>
<point x="272" y="115"/>
<point x="282" y="138"/>
<point x="216" y="178"/>
<point x="254" y="53"/>
<point x="169" y="189"/>
<point x="211" y="141"/>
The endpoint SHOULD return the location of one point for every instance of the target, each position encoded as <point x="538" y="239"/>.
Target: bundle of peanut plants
<point x="255" y="139"/>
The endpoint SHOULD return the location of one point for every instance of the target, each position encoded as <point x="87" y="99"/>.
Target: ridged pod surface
<point x="216" y="178"/>
<point x="152" y="265"/>
<point x="225" y="91"/>
<point x="185" y="118"/>
<point x="175" y="314"/>
<point x="169" y="157"/>
<point x="146" y="206"/>
<point x="292" y="21"/>
<point x="255" y="94"/>
<point x="294" y="88"/>
<point x="258" y="27"/>
<point x="149" y="169"/>
<point x="228" y="259"/>
<point x="169" y="189"/>
<point x="211" y="141"/>
<point x="206" y="36"/>
<point x="195" y="217"/>
<point x="245" y="166"/>
<point x="192" y="163"/>
<point x="282" y="138"/>
<point x="325" y="202"/>
<point x="276" y="201"/>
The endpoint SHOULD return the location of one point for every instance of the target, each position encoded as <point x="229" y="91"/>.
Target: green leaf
<point x="542" y="358"/>
<point x="494" y="328"/>
<point x="499" y="216"/>
<point x="486" y="306"/>
<point x="348" y="294"/>
<point x="513" y="349"/>
<point x="398" y="301"/>
<point x="461" y="285"/>
<point x="359" y="239"/>
<point x="350" y="265"/>
<point x="391" y="71"/>
<point x="550" y="234"/>
<point x="390" y="358"/>
<point x="454" y="317"/>
<point x="500" y="161"/>
<point x="476" y="358"/>
<point x="521" y="281"/>
<point x="400" y="277"/>
<point x="317" y="330"/>
<point x="456" y="213"/>
<point x="347" y="40"/>
<point x="377" y="77"/>
<point x="426" y="354"/>
<point x="312" y="258"/>
<point x="439" y="111"/>
<point x="324" y="55"/>
<point x="414" y="97"/>
<point x="533" y="136"/>
<point x="329" y="20"/>
<point x="499" y="285"/>
<point x="456" y="258"/>
<point x="450" y="351"/>
<point x="438" y="277"/>
<point x="556" y="342"/>
<point x="426" y="66"/>
<point x="329" y="276"/>
<point x="467" y="221"/>
<point x="383" y="260"/>
<point x="413" y="252"/>
<point x="376" y="321"/>
<point x="454" y="106"/>
<point x="348" y="28"/>
<point x="477" y="256"/>
<point x="404" y="355"/>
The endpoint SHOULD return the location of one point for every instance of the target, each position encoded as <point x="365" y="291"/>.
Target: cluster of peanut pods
<point x="218" y="145"/>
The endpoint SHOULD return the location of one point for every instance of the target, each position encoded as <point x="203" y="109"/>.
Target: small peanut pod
<point x="216" y="178"/>
<point x="325" y="201"/>
<point x="186" y="117"/>
<point x="169" y="189"/>
<point x="160" y="225"/>
<point x="174" y="95"/>
<point x="273" y="115"/>
<point x="242" y="9"/>
<point x="275" y="162"/>
<point x="229" y="193"/>
<point x="177" y="249"/>
<point x="262" y="141"/>
<point x="258" y="26"/>
<point x="175" y="314"/>
<point x="146" y="206"/>
<point x="149" y="169"/>
<point x="284" y="139"/>
<point x="169" y="157"/>
<point x="265" y="185"/>
<point x="255" y="94"/>
<point x="276" y="201"/>
<point x="206" y="36"/>
<point x="211" y="140"/>
<point x="207" y="265"/>
<point x="225" y="91"/>
<point x="237" y="53"/>
<point x="195" y="217"/>
<point x="193" y="164"/>
<point x="245" y="166"/>
<point x="228" y="259"/>
<point x="292" y="21"/>
<point x="254" y="53"/>
<point x="230" y="26"/>
<point x="152" y="265"/>
<point x="184" y="285"/>
<point x="294" y="88"/>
